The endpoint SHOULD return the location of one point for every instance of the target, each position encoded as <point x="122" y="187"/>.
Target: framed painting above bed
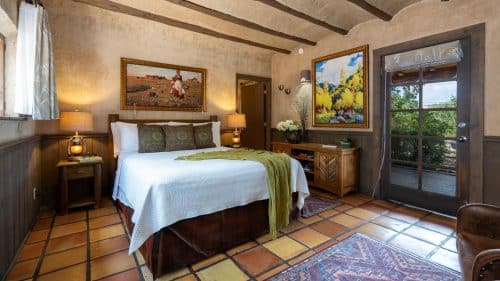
<point x="147" y="85"/>
<point x="340" y="89"/>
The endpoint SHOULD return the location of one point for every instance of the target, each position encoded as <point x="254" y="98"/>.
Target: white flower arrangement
<point x="287" y="126"/>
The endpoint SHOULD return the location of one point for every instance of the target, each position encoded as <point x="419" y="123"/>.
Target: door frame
<point x="474" y="38"/>
<point x="267" y="93"/>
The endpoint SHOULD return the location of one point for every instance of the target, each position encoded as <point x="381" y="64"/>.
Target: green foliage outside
<point x="435" y="123"/>
<point x="341" y="103"/>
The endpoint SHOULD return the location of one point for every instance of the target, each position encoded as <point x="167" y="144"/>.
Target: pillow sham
<point x="151" y="138"/>
<point x="179" y="137"/>
<point x="116" y="139"/>
<point x="203" y="136"/>
<point x="125" y="137"/>
<point x="215" y="129"/>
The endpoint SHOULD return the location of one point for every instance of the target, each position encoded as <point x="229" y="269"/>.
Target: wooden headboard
<point x="116" y="117"/>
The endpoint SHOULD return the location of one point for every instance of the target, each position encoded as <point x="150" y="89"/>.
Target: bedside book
<point x="329" y="146"/>
<point x="86" y="159"/>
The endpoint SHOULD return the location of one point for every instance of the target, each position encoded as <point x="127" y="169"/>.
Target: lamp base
<point x="76" y="146"/>
<point x="236" y="138"/>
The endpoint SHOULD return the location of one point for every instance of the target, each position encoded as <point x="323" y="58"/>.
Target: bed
<point x="180" y="212"/>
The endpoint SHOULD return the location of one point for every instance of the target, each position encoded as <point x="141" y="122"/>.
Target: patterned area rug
<point x="364" y="259"/>
<point x="315" y="205"/>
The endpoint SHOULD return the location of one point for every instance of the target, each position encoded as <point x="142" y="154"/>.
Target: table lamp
<point x="236" y="121"/>
<point x="76" y="121"/>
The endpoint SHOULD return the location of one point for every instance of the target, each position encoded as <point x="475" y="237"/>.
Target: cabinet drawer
<point x="80" y="172"/>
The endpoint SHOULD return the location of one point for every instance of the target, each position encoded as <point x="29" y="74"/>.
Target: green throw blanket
<point x="278" y="180"/>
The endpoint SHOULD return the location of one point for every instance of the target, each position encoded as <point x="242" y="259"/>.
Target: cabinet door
<point x="326" y="170"/>
<point x="282" y="149"/>
<point x="349" y="172"/>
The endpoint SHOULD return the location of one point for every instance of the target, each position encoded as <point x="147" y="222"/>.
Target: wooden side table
<point x="70" y="171"/>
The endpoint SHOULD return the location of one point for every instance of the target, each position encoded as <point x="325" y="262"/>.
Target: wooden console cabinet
<point x="332" y="169"/>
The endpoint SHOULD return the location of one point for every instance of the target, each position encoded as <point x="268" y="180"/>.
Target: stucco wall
<point x="88" y="44"/>
<point x="418" y="20"/>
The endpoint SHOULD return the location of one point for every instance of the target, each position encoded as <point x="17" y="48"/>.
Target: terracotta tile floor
<point x="92" y="244"/>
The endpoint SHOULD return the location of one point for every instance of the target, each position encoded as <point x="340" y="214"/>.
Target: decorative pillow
<point x="203" y="137"/>
<point x="215" y="129"/>
<point x="151" y="138"/>
<point x="179" y="137"/>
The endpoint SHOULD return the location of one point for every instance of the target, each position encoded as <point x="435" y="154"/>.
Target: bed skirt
<point x="192" y="240"/>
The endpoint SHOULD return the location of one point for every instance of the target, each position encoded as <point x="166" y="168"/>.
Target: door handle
<point x="462" y="139"/>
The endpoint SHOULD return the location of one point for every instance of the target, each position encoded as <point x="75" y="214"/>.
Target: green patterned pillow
<point x="151" y="138"/>
<point x="203" y="137"/>
<point x="179" y="137"/>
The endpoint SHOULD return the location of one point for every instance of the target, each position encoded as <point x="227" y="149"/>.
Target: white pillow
<point x="125" y="137"/>
<point x="215" y="129"/>
<point x="116" y="139"/>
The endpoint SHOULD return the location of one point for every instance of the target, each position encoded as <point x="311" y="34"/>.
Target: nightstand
<point x="75" y="174"/>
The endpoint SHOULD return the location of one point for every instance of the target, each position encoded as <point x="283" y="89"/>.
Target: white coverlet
<point x="162" y="190"/>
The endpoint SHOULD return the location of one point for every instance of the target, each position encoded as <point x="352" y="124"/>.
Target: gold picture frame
<point x="147" y="85"/>
<point x="340" y="89"/>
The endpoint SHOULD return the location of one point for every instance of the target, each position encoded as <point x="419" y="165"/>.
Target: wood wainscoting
<point x="20" y="173"/>
<point x="54" y="148"/>
<point x="491" y="190"/>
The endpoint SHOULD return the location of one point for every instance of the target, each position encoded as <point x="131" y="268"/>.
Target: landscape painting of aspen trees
<point x="158" y="86"/>
<point x="340" y="89"/>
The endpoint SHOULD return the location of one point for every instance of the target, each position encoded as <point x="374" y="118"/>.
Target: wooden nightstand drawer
<point x="80" y="172"/>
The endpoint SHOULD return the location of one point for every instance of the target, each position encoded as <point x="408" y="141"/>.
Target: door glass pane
<point x="404" y="123"/>
<point x="404" y="97"/>
<point x="440" y="153"/>
<point x="440" y="72"/>
<point x="440" y="95"/>
<point x="404" y="175"/>
<point x="404" y="76"/>
<point x="440" y="181"/>
<point x="440" y="123"/>
<point x="405" y="149"/>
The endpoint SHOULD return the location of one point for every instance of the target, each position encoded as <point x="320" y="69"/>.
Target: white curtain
<point x="35" y="81"/>
<point x="450" y="52"/>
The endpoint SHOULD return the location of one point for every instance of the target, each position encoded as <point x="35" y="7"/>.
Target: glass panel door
<point x="423" y="109"/>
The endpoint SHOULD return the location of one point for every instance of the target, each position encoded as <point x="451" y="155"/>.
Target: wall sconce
<point x="305" y="76"/>
<point x="282" y="88"/>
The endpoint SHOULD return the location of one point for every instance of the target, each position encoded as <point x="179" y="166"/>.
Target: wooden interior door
<point x="253" y="105"/>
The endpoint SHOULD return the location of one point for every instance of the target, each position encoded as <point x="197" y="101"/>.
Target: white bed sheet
<point x="162" y="190"/>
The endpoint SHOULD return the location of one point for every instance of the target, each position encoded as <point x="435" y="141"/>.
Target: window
<point x="2" y="75"/>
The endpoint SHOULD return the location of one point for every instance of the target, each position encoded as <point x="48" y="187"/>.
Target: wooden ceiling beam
<point x="277" y="5"/>
<point x="119" y="8"/>
<point x="239" y="21"/>
<point x="371" y="9"/>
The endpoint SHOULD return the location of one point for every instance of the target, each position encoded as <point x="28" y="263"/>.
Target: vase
<point x="293" y="137"/>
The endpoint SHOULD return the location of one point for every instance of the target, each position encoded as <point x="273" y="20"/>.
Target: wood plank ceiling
<point x="275" y="25"/>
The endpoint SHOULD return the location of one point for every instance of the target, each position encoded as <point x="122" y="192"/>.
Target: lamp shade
<point x="305" y="76"/>
<point x="236" y="120"/>
<point x="76" y="121"/>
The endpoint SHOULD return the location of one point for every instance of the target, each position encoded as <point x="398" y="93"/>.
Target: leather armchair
<point x="478" y="242"/>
